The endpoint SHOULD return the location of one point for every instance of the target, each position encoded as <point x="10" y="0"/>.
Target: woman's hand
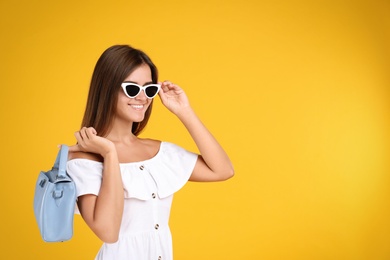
<point x="173" y="97"/>
<point x="213" y="164"/>
<point x="103" y="213"/>
<point x="88" y="141"/>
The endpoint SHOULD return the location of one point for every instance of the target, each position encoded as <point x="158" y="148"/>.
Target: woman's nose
<point x="141" y="96"/>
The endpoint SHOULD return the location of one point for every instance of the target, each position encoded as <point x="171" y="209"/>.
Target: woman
<point x="125" y="184"/>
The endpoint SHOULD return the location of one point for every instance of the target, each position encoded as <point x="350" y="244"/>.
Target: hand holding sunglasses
<point x="174" y="98"/>
<point x="132" y="89"/>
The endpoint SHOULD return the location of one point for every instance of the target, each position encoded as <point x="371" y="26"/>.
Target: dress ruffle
<point x="168" y="170"/>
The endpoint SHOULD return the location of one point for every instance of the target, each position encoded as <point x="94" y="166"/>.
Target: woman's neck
<point x="120" y="132"/>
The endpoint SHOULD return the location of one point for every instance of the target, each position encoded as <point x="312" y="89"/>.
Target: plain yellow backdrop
<point x="296" y="91"/>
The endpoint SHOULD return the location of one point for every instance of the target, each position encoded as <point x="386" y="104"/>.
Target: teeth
<point x="137" y="106"/>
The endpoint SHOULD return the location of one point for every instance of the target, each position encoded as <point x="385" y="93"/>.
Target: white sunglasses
<point x="132" y="90"/>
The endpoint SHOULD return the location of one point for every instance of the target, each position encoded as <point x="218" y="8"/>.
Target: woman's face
<point x="133" y="109"/>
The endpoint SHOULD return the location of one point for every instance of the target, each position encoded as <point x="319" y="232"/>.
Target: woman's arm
<point x="103" y="213"/>
<point x="213" y="163"/>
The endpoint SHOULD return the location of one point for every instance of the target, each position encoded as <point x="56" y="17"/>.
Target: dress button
<point x="156" y="226"/>
<point x="153" y="195"/>
<point x="141" y="167"/>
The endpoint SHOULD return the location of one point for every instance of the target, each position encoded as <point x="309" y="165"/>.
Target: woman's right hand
<point x="103" y="215"/>
<point x="88" y="141"/>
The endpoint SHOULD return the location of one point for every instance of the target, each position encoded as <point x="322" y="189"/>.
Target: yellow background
<point x="296" y="91"/>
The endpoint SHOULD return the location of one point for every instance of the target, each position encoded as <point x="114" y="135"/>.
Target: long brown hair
<point x="114" y="65"/>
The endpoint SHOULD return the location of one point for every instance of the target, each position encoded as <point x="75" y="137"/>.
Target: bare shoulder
<point x="83" y="155"/>
<point x="151" y="142"/>
<point x="151" y="145"/>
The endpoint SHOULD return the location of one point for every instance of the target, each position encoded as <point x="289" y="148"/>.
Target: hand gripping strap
<point x="62" y="158"/>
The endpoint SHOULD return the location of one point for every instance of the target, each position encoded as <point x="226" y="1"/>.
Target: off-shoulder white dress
<point x="148" y="188"/>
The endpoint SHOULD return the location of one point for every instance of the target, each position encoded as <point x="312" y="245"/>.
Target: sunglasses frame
<point x="141" y="88"/>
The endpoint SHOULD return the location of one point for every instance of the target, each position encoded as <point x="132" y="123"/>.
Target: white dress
<point x="148" y="190"/>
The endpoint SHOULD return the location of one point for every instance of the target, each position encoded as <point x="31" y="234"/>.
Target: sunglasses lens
<point x="132" y="90"/>
<point x="151" y="91"/>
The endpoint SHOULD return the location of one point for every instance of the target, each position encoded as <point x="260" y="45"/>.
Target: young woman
<point x="125" y="184"/>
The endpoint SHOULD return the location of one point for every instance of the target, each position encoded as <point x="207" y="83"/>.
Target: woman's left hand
<point x="173" y="97"/>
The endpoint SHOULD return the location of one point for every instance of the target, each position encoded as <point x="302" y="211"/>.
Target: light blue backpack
<point x="54" y="201"/>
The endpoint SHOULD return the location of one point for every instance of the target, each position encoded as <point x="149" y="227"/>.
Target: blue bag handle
<point x="60" y="163"/>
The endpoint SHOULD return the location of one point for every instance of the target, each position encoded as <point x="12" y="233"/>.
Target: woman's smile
<point x="137" y="107"/>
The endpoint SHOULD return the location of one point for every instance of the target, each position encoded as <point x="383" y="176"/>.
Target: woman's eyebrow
<point x="129" y="81"/>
